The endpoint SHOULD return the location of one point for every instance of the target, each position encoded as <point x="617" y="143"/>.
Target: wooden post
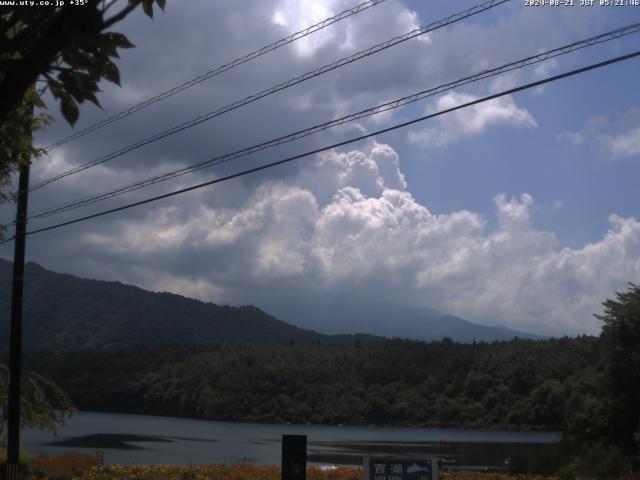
<point x="294" y="457"/>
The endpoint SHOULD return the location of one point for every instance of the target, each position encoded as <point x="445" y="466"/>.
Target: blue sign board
<point x="400" y="469"/>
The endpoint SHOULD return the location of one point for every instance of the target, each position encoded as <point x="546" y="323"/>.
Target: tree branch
<point x="109" y="5"/>
<point x="122" y="14"/>
<point x="38" y="58"/>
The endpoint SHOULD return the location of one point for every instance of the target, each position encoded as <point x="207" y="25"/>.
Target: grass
<point x="75" y="466"/>
<point x="24" y="456"/>
<point x="84" y="467"/>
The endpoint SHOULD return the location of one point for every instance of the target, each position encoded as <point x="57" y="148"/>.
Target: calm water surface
<point x="140" y="439"/>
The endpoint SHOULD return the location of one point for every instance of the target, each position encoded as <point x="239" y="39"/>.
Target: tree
<point x="67" y="50"/>
<point x="15" y="138"/>
<point x="43" y="404"/>
<point x="621" y="338"/>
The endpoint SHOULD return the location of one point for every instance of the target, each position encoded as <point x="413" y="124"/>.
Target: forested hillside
<point x="521" y="383"/>
<point x="65" y="312"/>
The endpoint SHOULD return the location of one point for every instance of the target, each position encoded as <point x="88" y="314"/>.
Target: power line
<point x="281" y="86"/>
<point x="217" y="71"/>
<point x="340" y="144"/>
<point x="588" y="42"/>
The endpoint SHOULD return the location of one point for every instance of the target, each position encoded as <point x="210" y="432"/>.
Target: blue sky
<point x="521" y="212"/>
<point x="586" y="179"/>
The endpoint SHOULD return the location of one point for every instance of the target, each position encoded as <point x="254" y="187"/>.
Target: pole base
<point x="13" y="471"/>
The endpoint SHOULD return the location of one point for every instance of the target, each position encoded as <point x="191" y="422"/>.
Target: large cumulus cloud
<point x="343" y="222"/>
<point x="291" y="240"/>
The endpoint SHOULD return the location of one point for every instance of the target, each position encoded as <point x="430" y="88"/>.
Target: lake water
<point x="140" y="439"/>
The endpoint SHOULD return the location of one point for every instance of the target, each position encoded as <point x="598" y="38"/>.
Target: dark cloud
<point x="332" y="225"/>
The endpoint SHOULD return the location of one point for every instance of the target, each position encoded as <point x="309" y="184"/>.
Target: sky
<point x="522" y="211"/>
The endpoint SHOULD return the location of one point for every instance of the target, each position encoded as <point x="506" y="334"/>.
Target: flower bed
<point x="73" y="466"/>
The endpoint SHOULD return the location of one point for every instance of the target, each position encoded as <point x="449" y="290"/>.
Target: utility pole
<point x="15" y="347"/>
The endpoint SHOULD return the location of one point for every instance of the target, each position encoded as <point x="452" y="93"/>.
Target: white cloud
<point x="293" y="16"/>
<point x="347" y="223"/>
<point x="471" y="120"/>
<point x="591" y="130"/>
<point x="371" y="171"/>
<point x="371" y="236"/>
<point x="192" y="288"/>
<point x="625" y="144"/>
<point x="617" y="141"/>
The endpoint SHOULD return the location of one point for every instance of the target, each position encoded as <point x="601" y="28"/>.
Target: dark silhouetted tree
<point x="621" y="337"/>
<point x="67" y="50"/>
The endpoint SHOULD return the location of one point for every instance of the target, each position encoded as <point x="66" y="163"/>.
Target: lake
<point x="141" y="439"/>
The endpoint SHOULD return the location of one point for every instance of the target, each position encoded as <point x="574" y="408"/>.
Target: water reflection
<point x="138" y="439"/>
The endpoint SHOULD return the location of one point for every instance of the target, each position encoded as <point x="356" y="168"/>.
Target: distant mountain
<point x="67" y="312"/>
<point x="389" y="320"/>
<point x="63" y="311"/>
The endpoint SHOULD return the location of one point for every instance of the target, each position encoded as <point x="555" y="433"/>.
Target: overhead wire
<point x="549" y="54"/>
<point x="217" y="71"/>
<point x="456" y="17"/>
<point x="510" y="91"/>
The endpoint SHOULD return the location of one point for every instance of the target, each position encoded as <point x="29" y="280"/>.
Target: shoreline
<point x="498" y="428"/>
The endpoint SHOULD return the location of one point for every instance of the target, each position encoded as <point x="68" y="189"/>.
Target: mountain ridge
<point x="390" y="320"/>
<point x="75" y="313"/>
<point x="64" y="311"/>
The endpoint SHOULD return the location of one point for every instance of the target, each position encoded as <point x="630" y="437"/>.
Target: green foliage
<point x="64" y="49"/>
<point x="15" y="139"/>
<point x="42" y="403"/>
<point x="394" y="382"/>
<point x="69" y="48"/>
<point x="16" y="148"/>
<point x="598" y="460"/>
<point x="602" y="421"/>
<point x="621" y="336"/>
<point x="25" y="458"/>
<point x="65" y="312"/>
